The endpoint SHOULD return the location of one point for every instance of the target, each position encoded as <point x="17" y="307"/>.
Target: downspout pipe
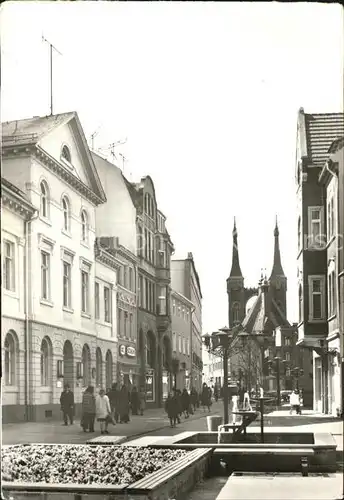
<point x="27" y="237"/>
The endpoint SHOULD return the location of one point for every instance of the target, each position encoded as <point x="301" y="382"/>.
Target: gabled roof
<point x="265" y="315"/>
<point x="321" y="130"/>
<point x="30" y="131"/>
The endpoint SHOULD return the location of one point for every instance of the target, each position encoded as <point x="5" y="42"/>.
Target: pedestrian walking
<point x="193" y="399"/>
<point x="142" y="400"/>
<point x="178" y="396"/>
<point x="134" y="401"/>
<point x="216" y="393"/>
<point x="88" y="409"/>
<point x="172" y="408"/>
<point x="295" y="402"/>
<point x="246" y="402"/>
<point x="185" y="399"/>
<point x="112" y="394"/>
<point x="206" y="397"/>
<point x="124" y="405"/>
<point x="103" y="411"/>
<point x="67" y="405"/>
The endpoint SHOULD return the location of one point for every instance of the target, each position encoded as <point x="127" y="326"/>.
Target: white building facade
<point x="49" y="160"/>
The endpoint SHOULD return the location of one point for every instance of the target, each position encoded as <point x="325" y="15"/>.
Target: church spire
<point x="277" y="269"/>
<point x="235" y="271"/>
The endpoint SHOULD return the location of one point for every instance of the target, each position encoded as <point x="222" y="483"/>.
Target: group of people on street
<point x="111" y="407"/>
<point x="180" y="403"/>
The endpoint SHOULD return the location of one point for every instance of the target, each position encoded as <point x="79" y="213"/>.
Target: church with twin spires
<point x="261" y="311"/>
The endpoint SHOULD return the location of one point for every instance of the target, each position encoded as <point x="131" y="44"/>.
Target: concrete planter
<point x="171" y="481"/>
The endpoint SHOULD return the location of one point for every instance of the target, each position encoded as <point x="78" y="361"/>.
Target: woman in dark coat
<point x="193" y="398"/>
<point x="134" y="401"/>
<point x="205" y="398"/>
<point x="185" y="402"/>
<point x="172" y="408"/>
<point x="88" y="409"/>
<point x="124" y="405"/>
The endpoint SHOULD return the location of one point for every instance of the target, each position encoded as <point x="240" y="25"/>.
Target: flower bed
<point x="83" y="464"/>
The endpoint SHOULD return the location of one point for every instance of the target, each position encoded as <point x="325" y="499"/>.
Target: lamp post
<point x="222" y="341"/>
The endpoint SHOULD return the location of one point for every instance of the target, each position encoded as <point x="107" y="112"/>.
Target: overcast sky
<point x="207" y="95"/>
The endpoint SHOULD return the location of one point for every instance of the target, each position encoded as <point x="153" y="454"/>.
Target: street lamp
<point x="221" y="342"/>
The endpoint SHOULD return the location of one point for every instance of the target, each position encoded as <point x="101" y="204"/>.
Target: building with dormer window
<point x="319" y="192"/>
<point x="48" y="159"/>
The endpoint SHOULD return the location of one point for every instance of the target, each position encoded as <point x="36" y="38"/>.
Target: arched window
<point x="66" y="154"/>
<point x="44" y="209"/>
<point x="150" y="350"/>
<point x="235" y="313"/>
<point x="84" y="226"/>
<point x="10" y="348"/>
<point x="86" y="365"/>
<point x="66" y="213"/>
<point x="108" y="369"/>
<point x="99" y="363"/>
<point x="299" y="233"/>
<point x="45" y="365"/>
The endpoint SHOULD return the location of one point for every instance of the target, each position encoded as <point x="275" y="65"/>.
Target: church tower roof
<point x="277" y="269"/>
<point x="235" y="270"/>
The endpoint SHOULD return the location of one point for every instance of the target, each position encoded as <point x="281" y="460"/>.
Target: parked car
<point x="285" y="396"/>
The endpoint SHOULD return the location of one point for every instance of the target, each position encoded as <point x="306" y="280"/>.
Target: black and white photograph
<point x="172" y="250"/>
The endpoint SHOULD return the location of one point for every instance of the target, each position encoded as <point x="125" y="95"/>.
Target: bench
<point x="304" y="453"/>
<point x="158" y="478"/>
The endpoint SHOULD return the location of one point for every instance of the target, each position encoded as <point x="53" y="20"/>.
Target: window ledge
<point x="66" y="233"/>
<point x="68" y="309"/>
<point x="84" y="244"/>
<point x="46" y="302"/>
<point x="11" y="388"/>
<point x="10" y="293"/>
<point x="45" y="220"/>
<point x="332" y="317"/>
<point x="311" y="320"/>
<point x="85" y="315"/>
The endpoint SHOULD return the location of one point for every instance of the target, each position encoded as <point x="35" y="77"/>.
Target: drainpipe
<point x="191" y="347"/>
<point x="27" y="235"/>
<point x="339" y="315"/>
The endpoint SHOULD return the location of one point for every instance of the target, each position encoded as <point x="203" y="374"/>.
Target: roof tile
<point x="321" y="130"/>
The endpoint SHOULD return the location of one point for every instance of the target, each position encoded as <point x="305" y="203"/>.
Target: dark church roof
<point x="265" y="315"/>
<point x="277" y="269"/>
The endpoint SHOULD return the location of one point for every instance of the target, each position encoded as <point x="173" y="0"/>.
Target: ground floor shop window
<point x="150" y="386"/>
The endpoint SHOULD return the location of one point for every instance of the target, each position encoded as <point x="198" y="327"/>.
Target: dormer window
<point x="66" y="155"/>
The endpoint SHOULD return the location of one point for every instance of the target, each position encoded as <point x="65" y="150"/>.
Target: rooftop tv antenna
<point x="124" y="160"/>
<point x="95" y="133"/>
<point x="111" y="147"/>
<point x="51" y="47"/>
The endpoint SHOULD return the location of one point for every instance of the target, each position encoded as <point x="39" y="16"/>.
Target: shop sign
<point x="122" y="350"/>
<point x="131" y="352"/>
